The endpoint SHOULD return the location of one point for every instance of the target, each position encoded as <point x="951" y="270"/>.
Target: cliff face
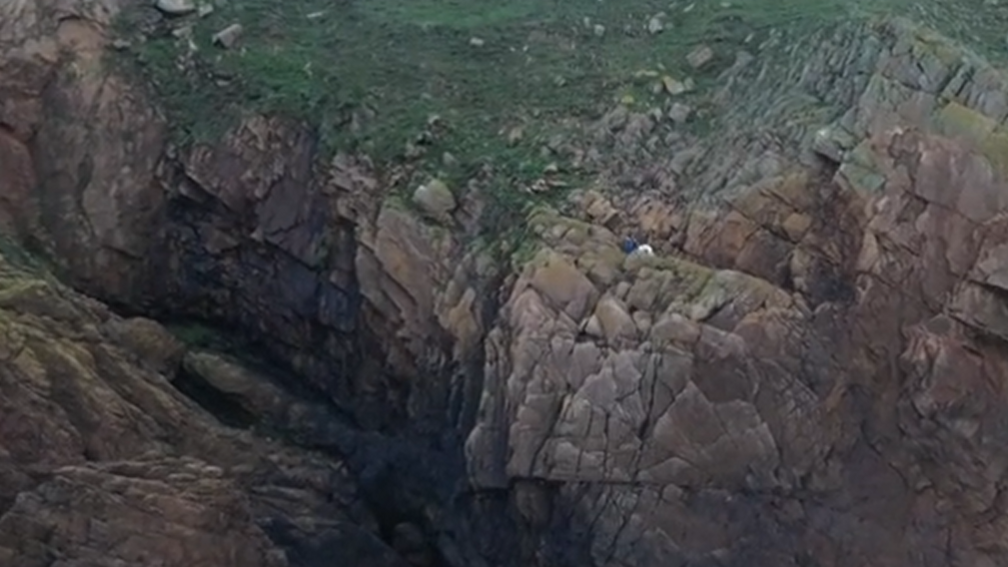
<point x="807" y="373"/>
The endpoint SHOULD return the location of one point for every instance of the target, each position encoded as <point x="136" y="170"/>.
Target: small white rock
<point x="599" y="30"/>
<point x="175" y="7"/>
<point x="228" y="36"/>
<point x="477" y="42"/>
<point x="680" y="113"/>
<point x="655" y="25"/>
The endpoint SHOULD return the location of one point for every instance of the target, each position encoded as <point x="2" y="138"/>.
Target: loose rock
<point x="680" y="113"/>
<point x="700" y="56"/>
<point x="176" y="7"/>
<point x="228" y="36"/>
<point x="655" y="25"/>
<point x="435" y="199"/>
<point x="673" y="86"/>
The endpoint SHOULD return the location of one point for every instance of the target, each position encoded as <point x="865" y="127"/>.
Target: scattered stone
<point x="655" y="25"/>
<point x="435" y="199"/>
<point x="205" y="10"/>
<point x="627" y="100"/>
<point x="832" y="143"/>
<point x="448" y="159"/>
<point x="228" y="36"/>
<point x="515" y="135"/>
<point x="176" y="7"/>
<point x="315" y="15"/>
<point x="673" y="87"/>
<point x="599" y="30"/>
<point x="477" y="42"/>
<point x="680" y="113"/>
<point x="182" y="32"/>
<point x="537" y="186"/>
<point x="700" y="56"/>
<point x="121" y="44"/>
<point x="551" y="169"/>
<point x="414" y="151"/>
<point x="556" y="143"/>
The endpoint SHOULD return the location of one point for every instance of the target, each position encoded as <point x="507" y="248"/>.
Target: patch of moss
<point x="957" y="120"/>
<point x="22" y="259"/>
<point x="369" y="74"/>
<point x="995" y="149"/>
<point x="199" y="335"/>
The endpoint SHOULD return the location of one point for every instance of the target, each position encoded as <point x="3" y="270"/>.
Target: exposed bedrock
<point x="808" y="372"/>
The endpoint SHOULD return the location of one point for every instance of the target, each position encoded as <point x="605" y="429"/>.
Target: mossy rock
<point x="957" y="120"/>
<point x="995" y="149"/>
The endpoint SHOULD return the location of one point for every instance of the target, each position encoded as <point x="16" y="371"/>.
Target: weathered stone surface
<point x="102" y="461"/>
<point x="864" y="342"/>
<point x="176" y="7"/>
<point x="435" y="199"/>
<point x="808" y="372"/>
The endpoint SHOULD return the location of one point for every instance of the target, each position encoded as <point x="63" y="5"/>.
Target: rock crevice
<point x="808" y="372"/>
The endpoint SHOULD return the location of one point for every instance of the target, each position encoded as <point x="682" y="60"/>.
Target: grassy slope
<point x="370" y="73"/>
<point x="403" y="60"/>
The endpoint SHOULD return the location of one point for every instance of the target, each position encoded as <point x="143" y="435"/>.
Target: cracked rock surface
<point x="809" y="372"/>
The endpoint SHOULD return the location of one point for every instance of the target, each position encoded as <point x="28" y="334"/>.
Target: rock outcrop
<point x="104" y="462"/>
<point x="832" y="361"/>
<point x="807" y="373"/>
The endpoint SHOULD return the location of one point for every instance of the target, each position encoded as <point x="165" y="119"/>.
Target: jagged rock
<point x="673" y="86"/>
<point x="228" y="37"/>
<point x="127" y="452"/>
<point x="435" y="199"/>
<point x="679" y="112"/>
<point x="655" y="25"/>
<point x="807" y="373"/>
<point x="700" y="56"/>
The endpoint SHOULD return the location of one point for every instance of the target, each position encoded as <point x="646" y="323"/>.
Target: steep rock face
<point x="104" y="462"/>
<point x="98" y="211"/>
<point x="808" y="373"/>
<point x="830" y="393"/>
<point x="252" y="233"/>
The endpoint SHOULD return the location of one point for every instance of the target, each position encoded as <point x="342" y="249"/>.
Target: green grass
<point x="369" y="74"/>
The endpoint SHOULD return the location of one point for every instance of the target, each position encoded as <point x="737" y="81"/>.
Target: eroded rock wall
<point x="808" y="373"/>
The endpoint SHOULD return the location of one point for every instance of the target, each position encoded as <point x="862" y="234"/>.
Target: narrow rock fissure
<point x="216" y="403"/>
<point x="400" y="475"/>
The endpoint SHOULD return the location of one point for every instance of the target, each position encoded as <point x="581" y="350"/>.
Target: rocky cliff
<point x="808" y="372"/>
